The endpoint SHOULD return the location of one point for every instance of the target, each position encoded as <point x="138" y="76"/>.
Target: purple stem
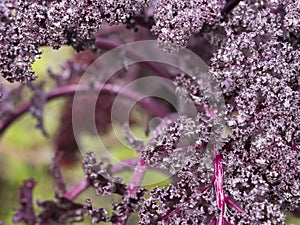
<point x="169" y="214"/>
<point x="203" y="189"/>
<point x="84" y="184"/>
<point x="108" y="29"/>
<point x="218" y="184"/>
<point x="123" y="165"/>
<point x="222" y="200"/>
<point x="212" y="221"/>
<point x="77" y="189"/>
<point x="233" y="205"/>
<point x="154" y="107"/>
<point x="137" y="177"/>
<point x="129" y="164"/>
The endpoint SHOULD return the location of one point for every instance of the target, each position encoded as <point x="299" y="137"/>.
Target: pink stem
<point x="84" y="184"/>
<point x="151" y="105"/>
<point x="233" y="205"/>
<point x="203" y="189"/>
<point x="77" y="189"/>
<point x="137" y="177"/>
<point x="222" y="200"/>
<point x="123" y="165"/>
<point x="135" y="182"/>
<point x="169" y="214"/>
<point x="212" y="221"/>
<point x="108" y="29"/>
<point x="218" y="184"/>
<point x="217" y="181"/>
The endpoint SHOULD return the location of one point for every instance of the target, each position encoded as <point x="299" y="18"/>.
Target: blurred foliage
<point x="24" y="151"/>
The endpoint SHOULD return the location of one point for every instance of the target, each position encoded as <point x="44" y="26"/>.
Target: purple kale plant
<point x="246" y="172"/>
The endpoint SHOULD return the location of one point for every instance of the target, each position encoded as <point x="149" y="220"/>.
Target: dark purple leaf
<point x="61" y="211"/>
<point x="56" y="172"/>
<point x="25" y="214"/>
<point x="38" y="101"/>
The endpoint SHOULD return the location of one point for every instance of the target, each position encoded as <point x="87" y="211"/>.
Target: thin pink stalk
<point x="222" y="200"/>
<point x="123" y="165"/>
<point x="84" y="184"/>
<point x="202" y="190"/>
<point x="233" y="205"/>
<point x="77" y="189"/>
<point x="137" y="178"/>
<point x="212" y="221"/>
<point x="169" y="214"/>
<point x="218" y="184"/>
<point x="179" y="149"/>
<point x="135" y="182"/>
